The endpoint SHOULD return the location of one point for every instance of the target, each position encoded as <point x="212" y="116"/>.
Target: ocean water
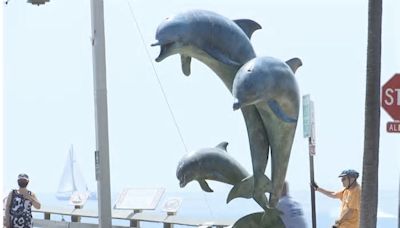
<point x="210" y="206"/>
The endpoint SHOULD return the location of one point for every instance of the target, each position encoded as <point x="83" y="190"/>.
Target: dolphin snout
<point x="236" y="105"/>
<point x="164" y="50"/>
<point x="158" y="59"/>
<point x="182" y="182"/>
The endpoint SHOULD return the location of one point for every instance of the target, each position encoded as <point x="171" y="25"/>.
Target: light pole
<point x="38" y="2"/>
<point x="101" y="113"/>
<point x="100" y="99"/>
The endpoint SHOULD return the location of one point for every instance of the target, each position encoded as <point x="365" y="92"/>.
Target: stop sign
<point x="390" y="98"/>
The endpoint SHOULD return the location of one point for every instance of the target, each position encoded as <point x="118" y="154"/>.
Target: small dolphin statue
<point x="215" y="164"/>
<point x="210" y="164"/>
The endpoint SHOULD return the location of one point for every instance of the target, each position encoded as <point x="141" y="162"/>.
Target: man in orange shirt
<point x="350" y="197"/>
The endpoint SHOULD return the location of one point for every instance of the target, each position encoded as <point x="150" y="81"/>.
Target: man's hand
<point x="26" y="195"/>
<point x="314" y="185"/>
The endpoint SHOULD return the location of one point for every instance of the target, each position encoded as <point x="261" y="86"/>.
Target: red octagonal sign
<point x="391" y="97"/>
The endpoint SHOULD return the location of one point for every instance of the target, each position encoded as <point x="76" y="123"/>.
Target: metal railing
<point x="168" y="220"/>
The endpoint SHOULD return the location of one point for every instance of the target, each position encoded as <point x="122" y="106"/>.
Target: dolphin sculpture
<point x="214" y="164"/>
<point x="270" y="85"/>
<point x="224" y="46"/>
<point x="210" y="164"/>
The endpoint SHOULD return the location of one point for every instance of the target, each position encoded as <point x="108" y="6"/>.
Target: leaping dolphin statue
<point x="222" y="44"/>
<point x="215" y="164"/>
<point x="270" y="85"/>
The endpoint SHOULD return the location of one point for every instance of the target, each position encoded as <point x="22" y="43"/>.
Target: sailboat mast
<point x="72" y="163"/>
<point x="101" y="116"/>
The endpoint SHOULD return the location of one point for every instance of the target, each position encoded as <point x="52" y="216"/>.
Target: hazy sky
<point x="49" y="103"/>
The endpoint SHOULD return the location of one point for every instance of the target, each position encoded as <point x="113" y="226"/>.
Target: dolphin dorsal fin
<point x="294" y="64"/>
<point x="248" y="26"/>
<point x="222" y="146"/>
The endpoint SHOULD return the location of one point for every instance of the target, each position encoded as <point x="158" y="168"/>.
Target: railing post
<point x="169" y="225"/>
<point x="133" y="222"/>
<point x="47" y="216"/>
<point x="76" y="218"/>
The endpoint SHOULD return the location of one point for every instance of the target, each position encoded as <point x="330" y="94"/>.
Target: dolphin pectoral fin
<point x="294" y="64"/>
<point x="204" y="186"/>
<point x="277" y="110"/>
<point x="221" y="57"/>
<point x="242" y="189"/>
<point x="222" y="146"/>
<point x="248" y="26"/>
<point x="185" y="62"/>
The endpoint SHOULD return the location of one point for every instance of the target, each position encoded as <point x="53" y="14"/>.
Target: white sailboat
<point x="72" y="181"/>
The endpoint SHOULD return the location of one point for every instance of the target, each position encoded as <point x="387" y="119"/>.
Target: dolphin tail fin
<point x="272" y="218"/>
<point x="294" y="64"/>
<point x="246" y="189"/>
<point x="185" y="62"/>
<point x="242" y="189"/>
<point x="248" y="26"/>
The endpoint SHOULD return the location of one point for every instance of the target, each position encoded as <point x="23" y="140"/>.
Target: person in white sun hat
<point x="18" y="213"/>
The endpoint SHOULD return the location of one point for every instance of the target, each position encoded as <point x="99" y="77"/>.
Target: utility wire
<point x="165" y="96"/>
<point x="158" y="79"/>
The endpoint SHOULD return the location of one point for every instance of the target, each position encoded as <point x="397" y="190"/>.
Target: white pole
<point x="100" y="99"/>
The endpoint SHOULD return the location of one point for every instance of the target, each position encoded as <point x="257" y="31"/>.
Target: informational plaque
<point x="78" y="199"/>
<point x="139" y="198"/>
<point x="172" y="204"/>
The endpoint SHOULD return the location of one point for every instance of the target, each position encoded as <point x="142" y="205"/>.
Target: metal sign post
<point x="100" y="99"/>
<point x="309" y="132"/>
